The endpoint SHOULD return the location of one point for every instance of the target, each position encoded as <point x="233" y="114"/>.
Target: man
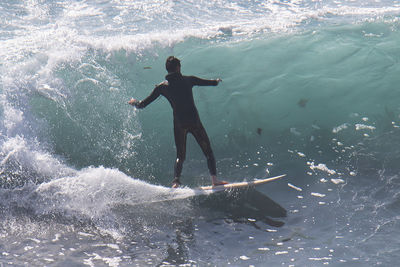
<point x="178" y="90"/>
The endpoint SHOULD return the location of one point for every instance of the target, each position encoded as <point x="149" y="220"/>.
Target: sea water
<point x="310" y="89"/>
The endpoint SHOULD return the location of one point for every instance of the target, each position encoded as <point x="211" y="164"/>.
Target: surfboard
<point x="254" y="183"/>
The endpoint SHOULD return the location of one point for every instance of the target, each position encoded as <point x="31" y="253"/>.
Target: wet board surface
<point x="240" y="184"/>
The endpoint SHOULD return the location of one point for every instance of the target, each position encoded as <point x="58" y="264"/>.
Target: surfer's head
<point x="173" y="64"/>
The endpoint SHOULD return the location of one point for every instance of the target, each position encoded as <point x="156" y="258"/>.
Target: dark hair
<point x="172" y="64"/>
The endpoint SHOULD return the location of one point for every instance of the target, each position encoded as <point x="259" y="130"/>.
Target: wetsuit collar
<point x="173" y="76"/>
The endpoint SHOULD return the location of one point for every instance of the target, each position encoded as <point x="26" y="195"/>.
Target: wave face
<point x="310" y="89"/>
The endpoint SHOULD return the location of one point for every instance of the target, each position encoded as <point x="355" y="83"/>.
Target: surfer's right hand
<point x="133" y="102"/>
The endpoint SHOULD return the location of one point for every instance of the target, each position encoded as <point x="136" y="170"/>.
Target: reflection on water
<point x="239" y="206"/>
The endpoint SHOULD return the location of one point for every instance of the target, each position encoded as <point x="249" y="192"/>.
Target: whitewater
<point x="310" y="89"/>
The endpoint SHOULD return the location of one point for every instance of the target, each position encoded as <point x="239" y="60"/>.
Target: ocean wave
<point x="309" y="89"/>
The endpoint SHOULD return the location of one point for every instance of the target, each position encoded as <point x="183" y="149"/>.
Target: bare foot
<point x="176" y="182"/>
<point x="219" y="183"/>
<point x="215" y="181"/>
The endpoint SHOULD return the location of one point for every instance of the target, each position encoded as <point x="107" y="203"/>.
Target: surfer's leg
<point x="202" y="139"/>
<point x="180" y="142"/>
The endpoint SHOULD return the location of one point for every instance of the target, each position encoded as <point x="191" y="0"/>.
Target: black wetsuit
<point x="178" y="90"/>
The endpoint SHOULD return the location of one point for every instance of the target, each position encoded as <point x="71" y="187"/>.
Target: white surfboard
<point x="240" y="184"/>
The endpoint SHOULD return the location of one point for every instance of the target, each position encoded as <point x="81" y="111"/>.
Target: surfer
<point x="178" y="90"/>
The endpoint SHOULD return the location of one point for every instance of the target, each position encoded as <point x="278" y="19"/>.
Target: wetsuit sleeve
<point x="153" y="96"/>
<point x="202" y="82"/>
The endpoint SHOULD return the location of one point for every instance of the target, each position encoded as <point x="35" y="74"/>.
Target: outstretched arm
<point x="142" y="104"/>
<point x="202" y="82"/>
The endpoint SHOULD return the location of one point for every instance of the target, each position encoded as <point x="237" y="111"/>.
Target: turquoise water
<point x="310" y="89"/>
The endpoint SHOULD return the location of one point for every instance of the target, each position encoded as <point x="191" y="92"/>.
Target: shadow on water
<point x="247" y="206"/>
<point x="241" y="205"/>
